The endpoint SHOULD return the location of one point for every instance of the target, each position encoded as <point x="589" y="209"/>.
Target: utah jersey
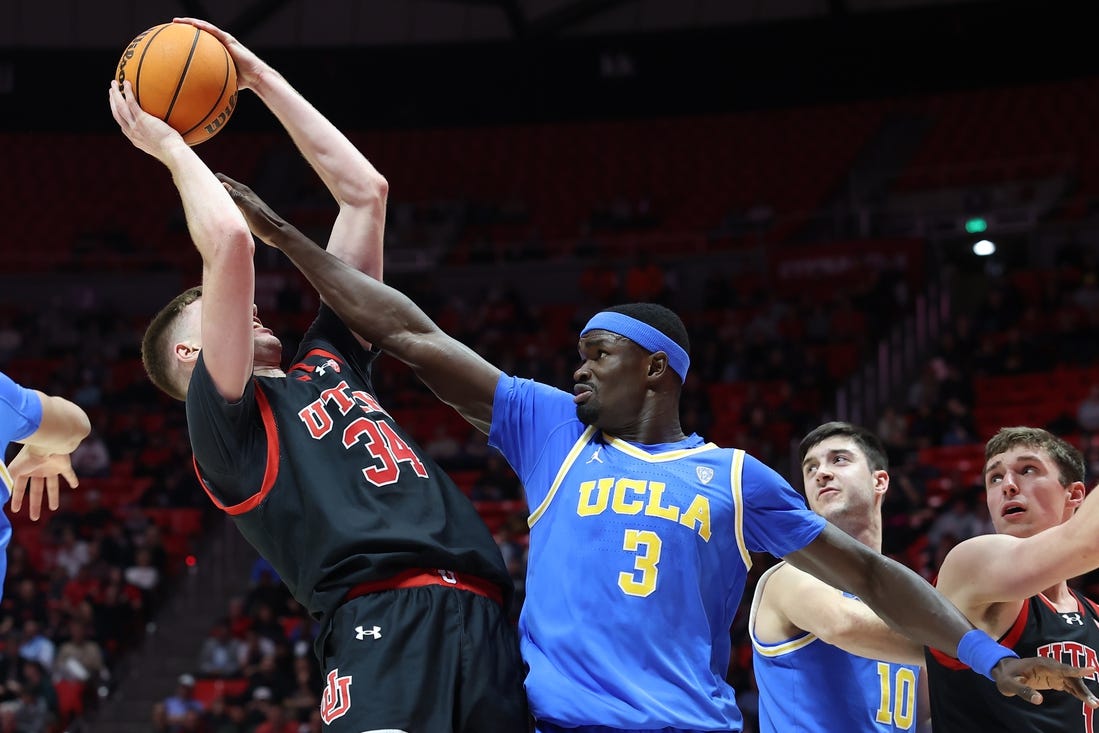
<point x="638" y="558"/>
<point x="807" y="685"/>
<point x="965" y="702"/>
<point x="324" y="483"/>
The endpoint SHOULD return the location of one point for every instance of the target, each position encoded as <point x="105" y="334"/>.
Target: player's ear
<point x="658" y="364"/>
<point x="1076" y="493"/>
<point x="881" y="481"/>
<point x="187" y="351"/>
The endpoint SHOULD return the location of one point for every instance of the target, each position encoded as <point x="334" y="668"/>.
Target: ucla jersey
<point x="809" y="686"/>
<point x="20" y="416"/>
<point x="638" y="559"/>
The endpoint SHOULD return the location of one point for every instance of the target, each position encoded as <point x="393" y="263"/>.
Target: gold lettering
<point x="698" y="512"/>
<point x="654" y="508"/>
<point x="586" y="507"/>
<point x="620" y="505"/>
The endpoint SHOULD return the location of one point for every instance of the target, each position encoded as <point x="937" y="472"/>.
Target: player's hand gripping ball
<point x="184" y="76"/>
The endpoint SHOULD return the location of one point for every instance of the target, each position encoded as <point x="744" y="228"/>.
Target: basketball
<point x="184" y="76"/>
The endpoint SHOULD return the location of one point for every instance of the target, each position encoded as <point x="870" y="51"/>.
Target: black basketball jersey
<point x="323" y="482"/>
<point x="963" y="701"/>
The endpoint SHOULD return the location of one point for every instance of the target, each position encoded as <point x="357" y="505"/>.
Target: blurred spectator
<point x="442" y="446"/>
<point x="303" y="696"/>
<point x="276" y="721"/>
<point x="26" y="603"/>
<point x="219" y="655"/>
<point x="956" y="524"/>
<point x="496" y="483"/>
<point x="892" y="428"/>
<point x="179" y="705"/>
<point x="80" y="658"/>
<point x="36" y="646"/>
<point x="72" y="552"/>
<point x="92" y="458"/>
<point x="143" y="574"/>
<point x="267" y="675"/>
<point x="253" y="650"/>
<point x="225" y="716"/>
<point x="1087" y="413"/>
<point x="34" y="707"/>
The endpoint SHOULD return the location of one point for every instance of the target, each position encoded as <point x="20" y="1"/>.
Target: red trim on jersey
<point x="417" y="578"/>
<point x="1093" y="604"/>
<point x="1009" y="640"/>
<point x="271" y="466"/>
<point x="315" y="352"/>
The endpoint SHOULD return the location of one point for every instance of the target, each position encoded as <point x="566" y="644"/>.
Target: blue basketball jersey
<point x="20" y="416"/>
<point x="638" y="559"/>
<point x="809" y="686"/>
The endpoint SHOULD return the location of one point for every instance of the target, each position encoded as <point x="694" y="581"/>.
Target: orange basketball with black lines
<point x="184" y="76"/>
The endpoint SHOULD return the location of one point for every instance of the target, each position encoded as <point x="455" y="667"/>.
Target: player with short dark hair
<point x="640" y="535"/>
<point x="852" y="671"/>
<point x="369" y="535"/>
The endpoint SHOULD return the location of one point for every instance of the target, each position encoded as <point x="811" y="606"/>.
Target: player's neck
<point x="867" y="531"/>
<point x="1061" y="598"/>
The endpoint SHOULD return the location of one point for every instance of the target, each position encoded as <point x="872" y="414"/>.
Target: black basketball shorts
<point x="429" y="659"/>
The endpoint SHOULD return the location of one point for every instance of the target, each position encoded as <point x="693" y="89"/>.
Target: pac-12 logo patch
<point x="705" y="474"/>
<point x="336" y="700"/>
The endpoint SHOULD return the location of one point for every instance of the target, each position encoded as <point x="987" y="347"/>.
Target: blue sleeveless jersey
<point x="638" y="559"/>
<point x="809" y="686"/>
<point x="20" y="416"/>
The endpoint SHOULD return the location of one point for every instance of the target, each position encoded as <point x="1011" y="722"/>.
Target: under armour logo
<point x="1072" y="618"/>
<point x="329" y="364"/>
<point x="705" y="474"/>
<point x="361" y="633"/>
<point x="595" y="456"/>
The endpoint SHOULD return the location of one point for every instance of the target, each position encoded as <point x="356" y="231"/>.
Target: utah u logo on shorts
<point x="336" y="700"/>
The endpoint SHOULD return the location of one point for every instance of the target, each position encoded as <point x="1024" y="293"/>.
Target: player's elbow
<point x="838" y="630"/>
<point x="369" y="192"/>
<point x="233" y="242"/>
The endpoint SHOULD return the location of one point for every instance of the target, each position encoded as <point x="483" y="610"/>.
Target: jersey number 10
<point x="898" y="697"/>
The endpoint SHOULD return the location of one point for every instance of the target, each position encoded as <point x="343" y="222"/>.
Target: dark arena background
<point x="884" y="211"/>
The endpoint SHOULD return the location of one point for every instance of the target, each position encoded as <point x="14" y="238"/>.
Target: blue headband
<point x="644" y="335"/>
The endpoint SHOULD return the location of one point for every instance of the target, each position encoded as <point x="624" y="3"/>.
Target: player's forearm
<point x="897" y="595"/>
<point x="371" y="309"/>
<point x="346" y="172"/>
<point x="857" y="630"/>
<point x="215" y="224"/>
<point x="911" y="605"/>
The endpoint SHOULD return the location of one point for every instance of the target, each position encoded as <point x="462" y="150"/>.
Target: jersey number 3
<point x="646" y="545"/>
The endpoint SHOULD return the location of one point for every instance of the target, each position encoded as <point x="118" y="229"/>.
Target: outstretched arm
<point x="453" y="371"/>
<point x="357" y="186"/>
<point x="792" y="601"/>
<point x="221" y="236"/>
<point x="44" y="458"/>
<point x="909" y="604"/>
<point x="1000" y="568"/>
